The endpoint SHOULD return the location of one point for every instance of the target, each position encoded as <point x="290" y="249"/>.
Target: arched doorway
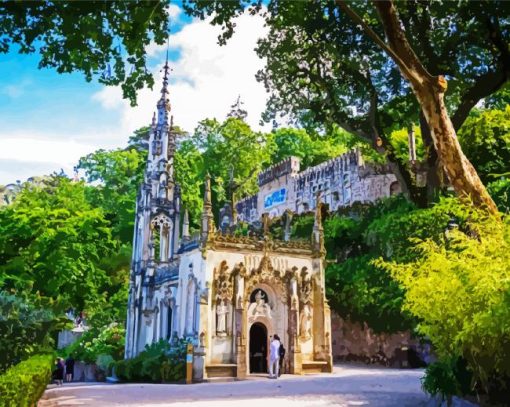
<point x="258" y="348"/>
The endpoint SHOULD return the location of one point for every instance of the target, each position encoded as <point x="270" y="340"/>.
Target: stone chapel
<point x="227" y="294"/>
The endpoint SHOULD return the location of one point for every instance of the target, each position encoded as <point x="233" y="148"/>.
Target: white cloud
<point x="29" y="154"/>
<point x="174" y="11"/>
<point x="206" y="78"/>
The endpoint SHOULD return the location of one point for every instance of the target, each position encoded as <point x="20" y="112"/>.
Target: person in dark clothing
<point x="69" y="369"/>
<point x="59" y="371"/>
<point x="282" y="357"/>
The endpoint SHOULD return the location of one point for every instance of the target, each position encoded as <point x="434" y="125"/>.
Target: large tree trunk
<point x="460" y="172"/>
<point x="434" y="170"/>
<point x="429" y="91"/>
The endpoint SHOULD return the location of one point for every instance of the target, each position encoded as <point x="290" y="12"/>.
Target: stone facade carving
<point x="260" y="307"/>
<point x="306" y="322"/>
<point x="221" y="318"/>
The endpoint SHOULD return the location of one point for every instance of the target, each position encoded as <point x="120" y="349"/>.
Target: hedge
<point x="22" y="385"/>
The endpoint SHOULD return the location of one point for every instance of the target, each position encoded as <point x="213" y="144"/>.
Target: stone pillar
<point x="200" y="351"/>
<point x="296" y="362"/>
<point x="327" y="338"/>
<point x="241" y="324"/>
<point x="241" y="327"/>
<point x="295" y="357"/>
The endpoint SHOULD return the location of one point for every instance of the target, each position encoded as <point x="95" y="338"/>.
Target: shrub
<point x="159" y="362"/>
<point x="23" y="384"/>
<point x="459" y="290"/>
<point x="25" y="328"/>
<point x="107" y="341"/>
<point x="447" y="377"/>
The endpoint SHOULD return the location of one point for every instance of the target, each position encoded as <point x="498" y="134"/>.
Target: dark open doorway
<point x="258" y="348"/>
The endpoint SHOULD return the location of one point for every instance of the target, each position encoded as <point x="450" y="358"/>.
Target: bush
<point x="459" y="290"/>
<point x="23" y="384"/>
<point x="447" y="377"/>
<point x="95" y="343"/>
<point x="25" y="328"/>
<point x="159" y="362"/>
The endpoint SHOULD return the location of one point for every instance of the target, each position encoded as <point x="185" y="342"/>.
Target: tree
<point x="458" y="288"/>
<point x="311" y="150"/>
<point x="429" y="90"/>
<point x="322" y="66"/>
<point x="119" y="174"/>
<point x="52" y="242"/>
<point x="231" y="147"/>
<point x="485" y="138"/>
<point x="189" y="170"/>
<point x="103" y="40"/>
<point x="24" y="327"/>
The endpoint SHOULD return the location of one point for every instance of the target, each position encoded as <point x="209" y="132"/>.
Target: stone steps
<point x="224" y="370"/>
<point x="314" y="366"/>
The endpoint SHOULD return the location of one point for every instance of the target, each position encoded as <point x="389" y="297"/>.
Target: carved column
<point x="200" y="352"/>
<point x="295" y="357"/>
<point x="240" y="324"/>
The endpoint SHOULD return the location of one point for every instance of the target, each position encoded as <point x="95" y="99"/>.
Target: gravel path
<point x="346" y="386"/>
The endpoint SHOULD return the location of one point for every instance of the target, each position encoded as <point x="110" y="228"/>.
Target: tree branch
<point x="371" y="33"/>
<point x="484" y="86"/>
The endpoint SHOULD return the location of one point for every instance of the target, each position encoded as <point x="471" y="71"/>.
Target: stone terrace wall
<point x="352" y="341"/>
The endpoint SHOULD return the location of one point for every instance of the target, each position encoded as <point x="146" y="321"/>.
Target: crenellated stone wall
<point x="342" y="181"/>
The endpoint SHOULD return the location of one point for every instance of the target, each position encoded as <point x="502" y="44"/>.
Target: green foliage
<point x="399" y="139"/>
<point x="159" y="362"/>
<point x="311" y="150"/>
<point x="358" y="290"/>
<point x="23" y="384"/>
<point x="230" y="147"/>
<point x="447" y="377"/>
<point x="106" y="41"/>
<point x="189" y="168"/>
<point x="52" y="242"/>
<point x="96" y="343"/>
<point x="119" y="174"/>
<point x="302" y="226"/>
<point x="24" y="328"/>
<point x="459" y="289"/>
<point x="500" y="192"/>
<point x="485" y="139"/>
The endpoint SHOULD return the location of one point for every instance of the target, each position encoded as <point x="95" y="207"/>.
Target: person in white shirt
<point x="274" y="356"/>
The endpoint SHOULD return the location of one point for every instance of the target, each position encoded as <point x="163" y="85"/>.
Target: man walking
<point x="274" y="356"/>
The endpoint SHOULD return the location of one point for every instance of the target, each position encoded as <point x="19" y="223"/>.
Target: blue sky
<point x="48" y="120"/>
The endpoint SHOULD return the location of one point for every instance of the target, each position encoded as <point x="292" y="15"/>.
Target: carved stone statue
<point x="221" y="318"/>
<point x="306" y="322"/>
<point x="260" y="307"/>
